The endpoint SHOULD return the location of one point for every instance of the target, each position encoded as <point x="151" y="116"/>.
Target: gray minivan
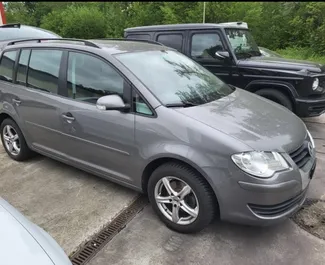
<point x="149" y="118"/>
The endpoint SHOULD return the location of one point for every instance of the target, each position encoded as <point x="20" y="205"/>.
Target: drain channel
<point x="88" y="250"/>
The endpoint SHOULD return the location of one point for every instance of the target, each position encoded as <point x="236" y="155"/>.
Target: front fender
<point x="198" y="160"/>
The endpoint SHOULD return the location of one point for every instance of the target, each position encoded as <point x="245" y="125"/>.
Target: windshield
<point x="24" y="33"/>
<point x="242" y="43"/>
<point x="175" y="79"/>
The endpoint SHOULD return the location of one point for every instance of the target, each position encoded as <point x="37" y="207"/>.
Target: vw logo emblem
<point x="310" y="149"/>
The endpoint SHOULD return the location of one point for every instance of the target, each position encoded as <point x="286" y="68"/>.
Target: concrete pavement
<point x="146" y="241"/>
<point x="69" y="204"/>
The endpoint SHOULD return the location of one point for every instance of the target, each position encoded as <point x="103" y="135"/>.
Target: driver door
<point x="98" y="140"/>
<point x="202" y="48"/>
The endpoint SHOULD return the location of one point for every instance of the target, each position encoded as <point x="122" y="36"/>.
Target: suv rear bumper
<point x="310" y="107"/>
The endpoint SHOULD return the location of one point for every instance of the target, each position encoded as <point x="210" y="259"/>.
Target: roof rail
<point x="11" y="25"/>
<point x="141" y="40"/>
<point x="86" y="42"/>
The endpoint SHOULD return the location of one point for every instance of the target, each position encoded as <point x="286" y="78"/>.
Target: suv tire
<point x="276" y="96"/>
<point x="200" y="200"/>
<point x="10" y="145"/>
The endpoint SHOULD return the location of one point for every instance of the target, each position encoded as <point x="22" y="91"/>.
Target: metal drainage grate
<point x="99" y="240"/>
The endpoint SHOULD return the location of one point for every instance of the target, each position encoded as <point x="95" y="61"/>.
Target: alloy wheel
<point x="176" y="200"/>
<point x="11" y="140"/>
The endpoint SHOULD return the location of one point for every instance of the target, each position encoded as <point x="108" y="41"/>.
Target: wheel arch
<point x="284" y="87"/>
<point x="158" y="161"/>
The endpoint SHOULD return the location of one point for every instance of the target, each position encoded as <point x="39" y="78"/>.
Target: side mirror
<point x="112" y="102"/>
<point x="222" y="54"/>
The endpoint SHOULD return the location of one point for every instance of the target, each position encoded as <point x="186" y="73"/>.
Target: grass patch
<point x="302" y="54"/>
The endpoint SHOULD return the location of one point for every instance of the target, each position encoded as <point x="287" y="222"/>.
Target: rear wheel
<point x="13" y="141"/>
<point x="276" y="96"/>
<point x="181" y="198"/>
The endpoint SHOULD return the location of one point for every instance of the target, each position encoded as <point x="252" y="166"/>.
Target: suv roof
<point x="17" y="31"/>
<point x="112" y="46"/>
<point x="188" y="26"/>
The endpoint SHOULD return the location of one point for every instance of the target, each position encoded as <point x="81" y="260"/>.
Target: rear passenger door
<point x="202" y="46"/>
<point x="36" y="99"/>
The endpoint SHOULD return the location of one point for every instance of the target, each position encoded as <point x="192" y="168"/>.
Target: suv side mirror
<point x="112" y="102"/>
<point x="222" y="54"/>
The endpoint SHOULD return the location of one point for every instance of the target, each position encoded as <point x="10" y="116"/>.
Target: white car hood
<point x="17" y="245"/>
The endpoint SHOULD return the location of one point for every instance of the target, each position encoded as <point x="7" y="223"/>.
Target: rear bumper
<point x="310" y="107"/>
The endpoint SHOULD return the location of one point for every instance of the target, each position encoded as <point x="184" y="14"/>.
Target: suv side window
<point x="7" y="65"/>
<point x="205" y="45"/>
<point x="43" y="70"/>
<point x="90" y="78"/>
<point x="22" y="67"/>
<point x="171" y="40"/>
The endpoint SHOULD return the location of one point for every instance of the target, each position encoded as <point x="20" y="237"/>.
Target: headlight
<point x="260" y="164"/>
<point x="315" y="84"/>
<point x="311" y="139"/>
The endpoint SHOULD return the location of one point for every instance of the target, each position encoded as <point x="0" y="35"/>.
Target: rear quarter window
<point x="7" y="64"/>
<point x="139" y="36"/>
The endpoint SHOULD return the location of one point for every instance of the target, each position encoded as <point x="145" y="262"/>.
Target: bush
<point x="302" y="54"/>
<point x="77" y="22"/>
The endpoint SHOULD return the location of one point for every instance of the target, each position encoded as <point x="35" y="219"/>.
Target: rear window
<point x="24" y="32"/>
<point x="7" y="65"/>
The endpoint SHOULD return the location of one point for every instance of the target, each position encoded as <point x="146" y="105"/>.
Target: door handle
<point x="16" y="101"/>
<point x="68" y="117"/>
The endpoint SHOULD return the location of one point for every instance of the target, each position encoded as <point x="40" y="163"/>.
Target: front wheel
<point x="181" y="198"/>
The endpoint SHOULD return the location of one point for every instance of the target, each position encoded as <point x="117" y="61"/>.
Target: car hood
<point x="282" y="64"/>
<point x="257" y="122"/>
<point x="22" y="242"/>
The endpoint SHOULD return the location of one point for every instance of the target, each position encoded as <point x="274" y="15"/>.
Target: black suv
<point x="230" y="52"/>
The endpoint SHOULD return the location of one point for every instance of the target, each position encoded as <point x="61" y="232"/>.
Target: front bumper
<point x="310" y="107"/>
<point x="247" y="200"/>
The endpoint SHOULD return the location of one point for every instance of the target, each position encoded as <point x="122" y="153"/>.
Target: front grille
<point x="301" y="155"/>
<point x="277" y="209"/>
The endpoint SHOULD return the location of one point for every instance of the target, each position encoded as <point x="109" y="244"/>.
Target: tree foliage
<point x="276" y="25"/>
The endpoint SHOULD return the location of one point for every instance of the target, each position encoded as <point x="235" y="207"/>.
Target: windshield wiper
<point x="184" y="104"/>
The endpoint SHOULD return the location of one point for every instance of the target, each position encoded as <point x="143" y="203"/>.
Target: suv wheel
<point x="181" y="198"/>
<point x="14" y="141"/>
<point x="276" y="96"/>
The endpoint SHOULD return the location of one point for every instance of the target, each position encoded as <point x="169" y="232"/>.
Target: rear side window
<point x="205" y="45"/>
<point x="90" y="78"/>
<point x="7" y="65"/>
<point x="43" y="71"/>
<point x="171" y="40"/>
<point x="22" y="67"/>
<point x="139" y="36"/>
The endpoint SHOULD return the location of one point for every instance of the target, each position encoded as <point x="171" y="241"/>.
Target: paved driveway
<point x="68" y="203"/>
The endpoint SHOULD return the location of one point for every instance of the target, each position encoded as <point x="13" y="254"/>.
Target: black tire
<point x="24" y="153"/>
<point x="276" y="96"/>
<point x="205" y="196"/>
